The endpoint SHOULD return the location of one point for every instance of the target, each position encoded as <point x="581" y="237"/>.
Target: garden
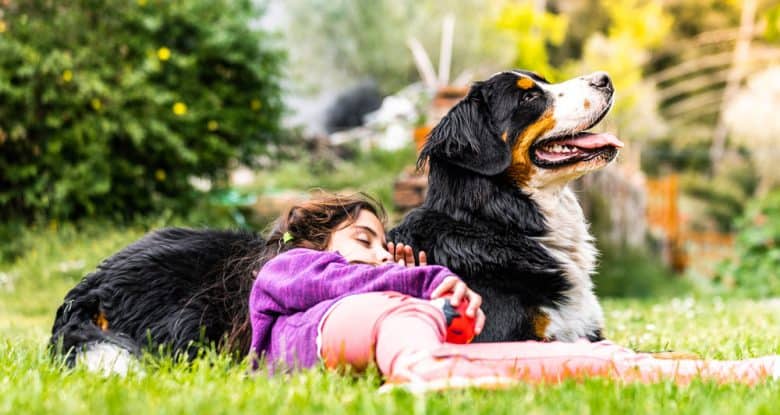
<point x="118" y="118"/>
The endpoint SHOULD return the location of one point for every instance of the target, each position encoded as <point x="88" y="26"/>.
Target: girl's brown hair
<point x="310" y="224"/>
<point x="306" y="225"/>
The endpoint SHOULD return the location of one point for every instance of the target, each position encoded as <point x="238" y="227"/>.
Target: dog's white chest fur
<point x="570" y="243"/>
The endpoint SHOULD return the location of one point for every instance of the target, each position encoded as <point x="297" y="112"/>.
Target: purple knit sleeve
<point x="301" y="278"/>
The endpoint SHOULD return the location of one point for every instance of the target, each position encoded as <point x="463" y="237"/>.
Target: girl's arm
<point x="301" y="278"/>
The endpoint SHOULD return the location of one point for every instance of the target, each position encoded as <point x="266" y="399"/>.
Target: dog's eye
<point x="530" y="96"/>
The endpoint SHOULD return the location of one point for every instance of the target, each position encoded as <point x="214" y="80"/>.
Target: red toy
<point x="460" y="327"/>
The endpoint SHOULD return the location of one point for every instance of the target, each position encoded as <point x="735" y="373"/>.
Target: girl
<point x="333" y="292"/>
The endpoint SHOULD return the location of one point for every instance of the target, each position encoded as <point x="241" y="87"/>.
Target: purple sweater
<point x="294" y="290"/>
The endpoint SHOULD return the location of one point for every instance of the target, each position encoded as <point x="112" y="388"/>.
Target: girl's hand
<point x="458" y="291"/>
<point x="404" y="255"/>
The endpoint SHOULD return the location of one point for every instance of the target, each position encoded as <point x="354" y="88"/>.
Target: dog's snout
<point x="600" y="80"/>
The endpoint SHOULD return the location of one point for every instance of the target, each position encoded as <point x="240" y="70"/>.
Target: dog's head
<point x="534" y="132"/>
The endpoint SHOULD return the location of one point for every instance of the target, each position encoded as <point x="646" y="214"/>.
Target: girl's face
<point x="362" y="241"/>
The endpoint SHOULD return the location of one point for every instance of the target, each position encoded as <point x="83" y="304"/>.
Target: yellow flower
<point x="3" y="27"/>
<point x="212" y="125"/>
<point x="142" y="2"/>
<point x="256" y="104"/>
<point x="96" y="104"/>
<point x="163" y="53"/>
<point x="179" y="108"/>
<point x="159" y="174"/>
<point x="67" y="75"/>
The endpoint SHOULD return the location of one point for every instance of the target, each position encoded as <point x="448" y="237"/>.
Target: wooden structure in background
<point x="703" y="251"/>
<point x="420" y="136"/>
<point x="446" y="97"/>
<point x="663" y="217"/>
<point x="683" y="248"/>
<point x="410" y="188"/>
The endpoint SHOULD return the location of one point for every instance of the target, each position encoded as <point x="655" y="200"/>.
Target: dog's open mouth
<point x="584" y="146"/>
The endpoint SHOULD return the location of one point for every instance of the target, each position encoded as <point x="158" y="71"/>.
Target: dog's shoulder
<point x="431" y="230"/>
<point x="422" y="225"/>
<point x="477" y="247"/>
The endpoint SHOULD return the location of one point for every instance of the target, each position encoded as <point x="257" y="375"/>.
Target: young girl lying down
<point x="335" y="293"/>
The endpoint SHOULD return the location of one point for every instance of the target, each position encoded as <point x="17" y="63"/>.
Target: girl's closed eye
<point x="364" y="239"/>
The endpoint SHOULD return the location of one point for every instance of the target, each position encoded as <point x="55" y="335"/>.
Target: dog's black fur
<point x="177" y="288"/>
<point x="181" y="288"/>
<point x="476" y="221"/>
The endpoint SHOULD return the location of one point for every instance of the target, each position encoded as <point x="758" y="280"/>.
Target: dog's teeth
<point x="558" y="148"/>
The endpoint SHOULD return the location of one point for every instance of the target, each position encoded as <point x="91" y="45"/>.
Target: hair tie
<point x="287" y="237"/>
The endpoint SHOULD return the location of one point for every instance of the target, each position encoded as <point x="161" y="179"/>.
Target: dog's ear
<point x="465" y="137"/>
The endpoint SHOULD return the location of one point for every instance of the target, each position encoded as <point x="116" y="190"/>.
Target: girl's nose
<point x="384" y="256"/>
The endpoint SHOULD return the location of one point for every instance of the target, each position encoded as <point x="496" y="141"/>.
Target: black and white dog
<point x="498" y="213"/>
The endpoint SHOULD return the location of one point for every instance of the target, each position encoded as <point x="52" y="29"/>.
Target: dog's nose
<point x="600" y="80"/>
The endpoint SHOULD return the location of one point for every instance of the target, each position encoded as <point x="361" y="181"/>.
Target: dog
<point x="173" y="291"/>
<point x="498" y="213"/>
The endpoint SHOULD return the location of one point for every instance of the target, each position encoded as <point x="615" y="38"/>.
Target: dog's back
<point x="175" y="287"/>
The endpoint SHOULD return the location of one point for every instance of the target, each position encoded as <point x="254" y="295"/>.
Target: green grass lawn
<point x="33" y="286"/>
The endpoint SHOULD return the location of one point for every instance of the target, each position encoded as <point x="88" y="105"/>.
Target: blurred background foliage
<point x="755" y="271"/>
<point x="110" y="107"/>
<point x="151" y="111"/>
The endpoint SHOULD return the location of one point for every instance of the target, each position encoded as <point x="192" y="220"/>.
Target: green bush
<point x="108" y="107"/>
<point x="755" y="271"/>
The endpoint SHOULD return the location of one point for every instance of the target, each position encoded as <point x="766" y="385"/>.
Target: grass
<point x="32" y="286"/>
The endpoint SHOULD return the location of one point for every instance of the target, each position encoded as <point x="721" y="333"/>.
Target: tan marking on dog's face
<point x="586" y="104"/>
<point x="522" y="168"/>
<point x="101" y="321"/>
<point x="503" y="136"/>
<point x="540" y="322"/>
<point x="525" y="83"/>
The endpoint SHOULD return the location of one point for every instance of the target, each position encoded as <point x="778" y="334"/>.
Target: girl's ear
<point x="466" y="138"/>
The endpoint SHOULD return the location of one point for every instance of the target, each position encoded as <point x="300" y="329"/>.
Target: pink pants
<point x="404" y="336"/>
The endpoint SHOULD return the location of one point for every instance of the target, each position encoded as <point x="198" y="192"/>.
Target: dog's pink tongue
<point x="590" y="141"/>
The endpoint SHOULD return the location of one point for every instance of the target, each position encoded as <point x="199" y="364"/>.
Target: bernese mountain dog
<point x="498" y="213"/>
